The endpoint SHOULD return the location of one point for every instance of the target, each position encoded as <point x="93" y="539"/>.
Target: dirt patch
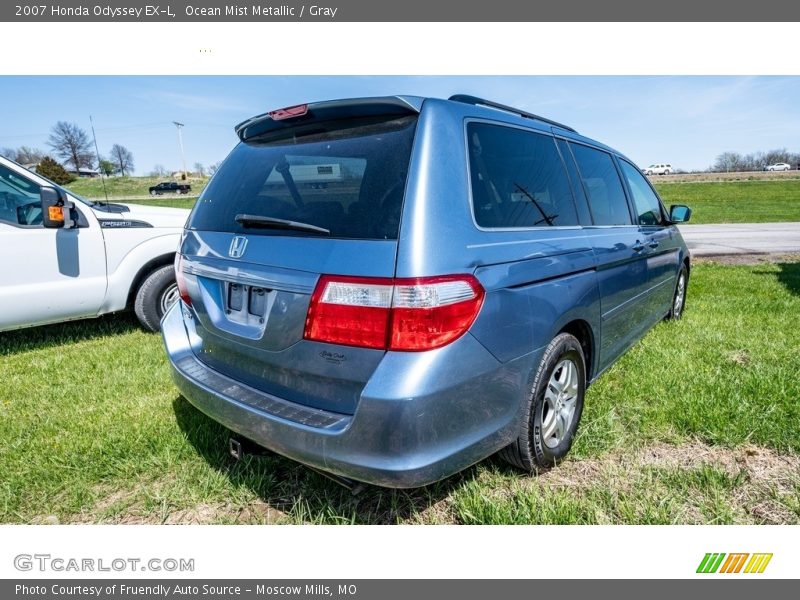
<point x="702" y="483"/>
<point x="724" y="177"/>
<point x="134" y="506"/>
<point x="746" y="259"/>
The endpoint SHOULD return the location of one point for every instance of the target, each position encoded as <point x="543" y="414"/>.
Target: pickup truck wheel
<point x="154" y="297"/>
<point x="553" y="409"/>
<point x="152" y="192"/>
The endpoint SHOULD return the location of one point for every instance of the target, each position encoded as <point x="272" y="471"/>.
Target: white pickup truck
<point x="63" y="257"/>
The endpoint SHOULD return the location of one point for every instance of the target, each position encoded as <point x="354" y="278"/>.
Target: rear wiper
<point x="547" y="218"/>
<point x="257" y="221"/>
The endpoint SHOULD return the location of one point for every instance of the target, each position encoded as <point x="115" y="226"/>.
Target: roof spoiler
<point x="285" y="118"/>
<point x="510" y="109"/>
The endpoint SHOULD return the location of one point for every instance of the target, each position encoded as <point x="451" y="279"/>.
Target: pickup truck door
<point x="46" y="275"/>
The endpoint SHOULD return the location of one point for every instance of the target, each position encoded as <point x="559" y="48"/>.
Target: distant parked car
<point x="662" y="169"/>
<point x="777" y="167"/>
<point x="170" y="187"/>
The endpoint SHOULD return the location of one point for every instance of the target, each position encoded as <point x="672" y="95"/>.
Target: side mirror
<point x="56" y="209"/>
<point x="679" y="213"/>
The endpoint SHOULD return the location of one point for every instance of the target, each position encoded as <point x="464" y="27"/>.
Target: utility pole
<point x="180" y="143"/>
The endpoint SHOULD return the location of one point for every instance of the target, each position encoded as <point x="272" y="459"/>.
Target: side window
<point x="648" y="208"/>
<point x="518" y="179"/>
<point x="19" y="199"/>
<point x="603" y="186"/>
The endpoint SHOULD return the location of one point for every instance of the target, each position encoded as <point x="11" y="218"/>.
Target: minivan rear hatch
<point x="310" y="190"/>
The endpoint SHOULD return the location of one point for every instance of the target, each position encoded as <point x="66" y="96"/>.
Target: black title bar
<point x="405" y="11"/>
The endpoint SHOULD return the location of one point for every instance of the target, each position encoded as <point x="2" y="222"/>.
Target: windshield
<point x="344" y="177"/>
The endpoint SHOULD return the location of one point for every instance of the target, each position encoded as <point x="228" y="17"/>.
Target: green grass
<point x="178" y="202"/>
<point x="736" y="201"/>
<point x="698" y="423"/>
<point x="119" y="188"/>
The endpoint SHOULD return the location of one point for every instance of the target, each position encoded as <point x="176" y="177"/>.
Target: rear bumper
<point x="420" y="418"/>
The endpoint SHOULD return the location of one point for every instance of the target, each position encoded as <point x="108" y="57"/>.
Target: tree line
<point x="728" y="162"/>
<point x="73" y="147"/>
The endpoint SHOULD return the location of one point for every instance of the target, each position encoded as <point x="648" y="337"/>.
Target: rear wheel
<point x="679" y="297"/>
<point x="553" y="409"/>
<point x="154" y="297"/>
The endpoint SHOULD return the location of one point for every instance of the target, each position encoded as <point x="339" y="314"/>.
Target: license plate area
<point x="246" y="304"/>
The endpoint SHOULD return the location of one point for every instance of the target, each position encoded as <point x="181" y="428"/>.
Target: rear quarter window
<point x="603" y="186"/>
<point x="517" y="178"/>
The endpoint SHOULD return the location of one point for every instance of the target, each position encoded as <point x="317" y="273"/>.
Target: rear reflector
<point x="394" y="314"/>
<point x="289" y="112"/>
<point x="180" y="279"/>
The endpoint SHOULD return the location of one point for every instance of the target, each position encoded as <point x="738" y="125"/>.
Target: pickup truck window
<point x="19" y="199"/>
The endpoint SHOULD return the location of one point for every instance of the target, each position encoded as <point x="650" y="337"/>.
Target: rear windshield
<point x="346" y="177"/>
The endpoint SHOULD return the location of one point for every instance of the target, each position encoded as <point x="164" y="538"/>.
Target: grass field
<point x="736" y="201"/>
<point x="698" y="423"/>
<point x="123" y="188"/>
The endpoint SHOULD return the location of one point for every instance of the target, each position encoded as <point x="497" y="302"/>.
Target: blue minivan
<point x="392" y="289"/>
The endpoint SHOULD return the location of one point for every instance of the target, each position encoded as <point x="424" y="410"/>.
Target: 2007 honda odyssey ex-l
<point x="392" y="289"/>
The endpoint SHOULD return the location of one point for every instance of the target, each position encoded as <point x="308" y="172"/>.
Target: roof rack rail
<point x="466" y="99"/>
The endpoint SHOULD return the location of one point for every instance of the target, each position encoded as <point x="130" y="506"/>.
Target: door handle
<point x="638" y="246"/>
<point x="653" y="244"/>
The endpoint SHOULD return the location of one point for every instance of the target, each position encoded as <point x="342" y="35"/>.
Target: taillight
<point x="180" y="279"/>
<point x="394" y="314"/>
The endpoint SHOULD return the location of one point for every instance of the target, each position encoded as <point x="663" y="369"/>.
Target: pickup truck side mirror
<point x="679" y="213"/>
<point x="56" y="209"/>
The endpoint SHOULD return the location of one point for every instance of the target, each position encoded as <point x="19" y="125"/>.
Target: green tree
<point x="54" y="171"/>
<point x="106" y="167"/>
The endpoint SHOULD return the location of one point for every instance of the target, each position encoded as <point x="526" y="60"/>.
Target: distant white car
<point x="660" y="169"/>
<point x="65" y="257"/>
<point x="778" y="167"/>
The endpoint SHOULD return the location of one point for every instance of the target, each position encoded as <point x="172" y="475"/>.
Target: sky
<point x="686" y="121"/>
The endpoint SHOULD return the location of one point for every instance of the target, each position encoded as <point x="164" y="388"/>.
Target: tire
<point x="649" y="173"/>
<point x="679" y="297"/>
<point x="152" y="192"/>
<point x="155" y="295"/>
<point x="542" y="442"/>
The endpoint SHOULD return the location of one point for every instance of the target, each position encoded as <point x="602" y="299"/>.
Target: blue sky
<point x="685" y="121"/>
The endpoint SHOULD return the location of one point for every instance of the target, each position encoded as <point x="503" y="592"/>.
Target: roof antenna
<point x="99" y="166"/>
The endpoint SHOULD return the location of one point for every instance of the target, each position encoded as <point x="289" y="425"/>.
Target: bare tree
<point x="28" y="156"/>
<point x="727" y="162"/>
<point x="72" y="145"/>
<point x="122" y="159"/>
<point x="158" y="171"/>
<point x="199" y="169"/>
<point x="24" y="155"/>
<point x="213" y="168"/>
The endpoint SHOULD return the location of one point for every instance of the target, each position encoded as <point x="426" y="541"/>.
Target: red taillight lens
<point x="395" y="314"/>
<point x="180" y="279"/>
<point x="432" y="312"/>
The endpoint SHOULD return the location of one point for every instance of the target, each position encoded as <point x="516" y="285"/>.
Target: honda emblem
<point x="238" y="244"/>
